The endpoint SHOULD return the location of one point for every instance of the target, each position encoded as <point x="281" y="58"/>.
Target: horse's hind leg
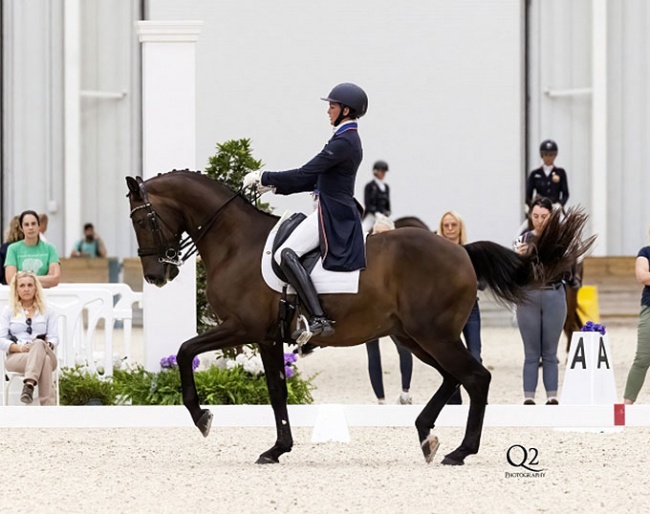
<point x="426" y="420"/>
<point x="273" y="358"/>
<point x="455" y="358"/>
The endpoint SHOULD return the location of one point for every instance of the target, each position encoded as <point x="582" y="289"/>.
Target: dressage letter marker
<point x="589" y="377"/>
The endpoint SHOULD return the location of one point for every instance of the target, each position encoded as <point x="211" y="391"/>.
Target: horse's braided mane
<point x="217" y="183"/>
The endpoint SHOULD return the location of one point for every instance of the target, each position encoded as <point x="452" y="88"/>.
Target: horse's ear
<point x="134" y="188"/>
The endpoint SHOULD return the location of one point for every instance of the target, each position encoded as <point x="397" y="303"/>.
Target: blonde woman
<point x="452" y="228"/>
<point x="28" y="334"/>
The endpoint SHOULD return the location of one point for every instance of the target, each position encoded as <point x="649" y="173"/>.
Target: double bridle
<point x="166" y="253"/>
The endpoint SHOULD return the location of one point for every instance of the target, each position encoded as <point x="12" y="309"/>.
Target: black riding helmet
<point x="351" y="96"/>
<point x="380" y="166"/>
<point x="549" y="146"/>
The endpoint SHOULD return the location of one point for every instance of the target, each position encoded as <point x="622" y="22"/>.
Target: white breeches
<point x="303" y="239"/>
<point x="368" y="223"/>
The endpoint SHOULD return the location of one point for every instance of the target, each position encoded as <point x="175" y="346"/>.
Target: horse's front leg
<point x="273" y="358"/>
<point x="218" y="338"/>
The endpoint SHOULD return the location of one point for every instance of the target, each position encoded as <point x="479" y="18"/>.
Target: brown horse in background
<point x="417" y="286"/>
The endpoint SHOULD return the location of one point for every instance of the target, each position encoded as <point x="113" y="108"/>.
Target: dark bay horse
<point x="417" y="286"/>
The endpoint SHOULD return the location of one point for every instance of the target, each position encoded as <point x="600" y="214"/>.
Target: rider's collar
<point x="346" y="125"/>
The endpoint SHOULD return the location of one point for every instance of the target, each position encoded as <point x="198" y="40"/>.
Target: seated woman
<point x="33" y="254"/>
<point x="28" y="334"/>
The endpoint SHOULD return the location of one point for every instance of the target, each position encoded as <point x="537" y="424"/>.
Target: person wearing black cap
<point x="376" y="196"/>
<point x="548" y="180"/>
<point x="335" y="226"/>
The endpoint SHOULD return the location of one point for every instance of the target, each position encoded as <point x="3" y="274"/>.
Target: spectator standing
<point x="90" y="246"/>
<point x="452" y="228"/>
<point x="383" y="224"/>
<point x="376" y="196"/>
<point x="540" y="319"/>
<point x="28" y="334"/>
<point x="12" y="235"/>
<point x="32" y="254"/>
<point x="636" y="375"/>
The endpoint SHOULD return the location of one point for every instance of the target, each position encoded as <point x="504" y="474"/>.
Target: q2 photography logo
<point x="526" y="460"/>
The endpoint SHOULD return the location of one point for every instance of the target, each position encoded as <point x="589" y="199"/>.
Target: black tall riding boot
<point x="301" y="282"/>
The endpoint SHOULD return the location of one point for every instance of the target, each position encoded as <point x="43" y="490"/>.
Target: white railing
<point x="94" y="302"/>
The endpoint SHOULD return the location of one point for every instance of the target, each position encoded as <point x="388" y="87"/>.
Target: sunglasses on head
<point x="29" y="326"/>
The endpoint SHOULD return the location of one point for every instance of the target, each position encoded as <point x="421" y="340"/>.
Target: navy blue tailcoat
<point x="332" y="174"/>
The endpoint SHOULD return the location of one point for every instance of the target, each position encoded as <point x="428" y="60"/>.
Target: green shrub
<point x="215" y="386"/>
<point x="78" y="386"/>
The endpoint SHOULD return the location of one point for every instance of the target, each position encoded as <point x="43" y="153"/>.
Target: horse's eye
<point x="139" y="222"/>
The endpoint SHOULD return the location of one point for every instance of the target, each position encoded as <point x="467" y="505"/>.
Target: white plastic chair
<point x="124" y="299"/>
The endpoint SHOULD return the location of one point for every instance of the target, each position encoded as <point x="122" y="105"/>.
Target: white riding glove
<point x="253" y="180"/>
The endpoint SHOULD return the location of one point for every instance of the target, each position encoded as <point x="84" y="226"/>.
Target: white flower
<point x="231" y="364"/>
<point x="254" y="365"/>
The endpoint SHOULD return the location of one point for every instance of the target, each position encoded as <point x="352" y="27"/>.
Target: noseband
<point x="166" y="253"/>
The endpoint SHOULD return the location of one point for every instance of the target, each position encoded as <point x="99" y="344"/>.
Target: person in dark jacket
<point x="335" y="226"/>
<point x="548" y="180"/>
<point x="376" y="196"/>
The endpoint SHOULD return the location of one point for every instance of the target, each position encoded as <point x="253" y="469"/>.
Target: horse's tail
<point x="550" y="256"/>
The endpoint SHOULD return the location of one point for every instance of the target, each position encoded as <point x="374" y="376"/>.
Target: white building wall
<point x="445" y="85"/>
<point x="444" y="80"/>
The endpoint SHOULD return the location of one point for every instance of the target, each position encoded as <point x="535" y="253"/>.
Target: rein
<point x="164" y="251"/>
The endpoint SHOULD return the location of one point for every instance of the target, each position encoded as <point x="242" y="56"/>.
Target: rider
<point x="335" y="226"/>
<point x="376" y="196"/>
<point x="548" y="180"/>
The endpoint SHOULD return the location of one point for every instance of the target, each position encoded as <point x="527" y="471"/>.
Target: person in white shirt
<point x="28" y="335"/>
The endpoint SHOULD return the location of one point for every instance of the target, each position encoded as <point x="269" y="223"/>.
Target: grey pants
<point x="541" y="320"/>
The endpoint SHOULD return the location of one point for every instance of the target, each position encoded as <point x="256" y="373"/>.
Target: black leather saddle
<point x="308" y="260"/>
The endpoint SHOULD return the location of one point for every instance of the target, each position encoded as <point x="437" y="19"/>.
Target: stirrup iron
<point x="306" y="334"/>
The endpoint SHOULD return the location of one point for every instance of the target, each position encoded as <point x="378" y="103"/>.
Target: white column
<point x="168" y="122"/>
<point x="599" y="126"/>
<point x="72" y="123"/>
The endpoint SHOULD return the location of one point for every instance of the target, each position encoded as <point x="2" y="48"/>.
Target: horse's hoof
<point x="205" y="422"/>
<point x="450" y="460"/>
<point x="429" y="447"/>
<point x="267" y="459"/>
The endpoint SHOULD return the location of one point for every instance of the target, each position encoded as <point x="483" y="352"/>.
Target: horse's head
<point x="157" y="231"/>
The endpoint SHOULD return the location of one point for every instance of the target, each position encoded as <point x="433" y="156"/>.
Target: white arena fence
<point x="329" y="422"/>
<point x="80" y="307"/>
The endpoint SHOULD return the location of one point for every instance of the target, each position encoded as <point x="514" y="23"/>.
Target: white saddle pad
<point x="326" y="282"/>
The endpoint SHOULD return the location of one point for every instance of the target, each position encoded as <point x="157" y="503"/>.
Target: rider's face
<point x="333" y="111"/>
<point x="548" y="158"/>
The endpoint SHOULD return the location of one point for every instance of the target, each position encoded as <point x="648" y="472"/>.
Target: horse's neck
<point x="236" y="229"/>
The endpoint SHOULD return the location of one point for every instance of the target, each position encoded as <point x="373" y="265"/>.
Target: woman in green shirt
<point x="33" y="254"/>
